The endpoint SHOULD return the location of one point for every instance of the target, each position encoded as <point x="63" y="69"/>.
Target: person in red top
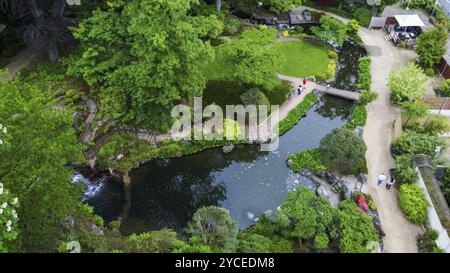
<point x="305" y="81"/>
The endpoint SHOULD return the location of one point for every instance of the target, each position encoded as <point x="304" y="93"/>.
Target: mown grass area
<point x="304" y="59"/>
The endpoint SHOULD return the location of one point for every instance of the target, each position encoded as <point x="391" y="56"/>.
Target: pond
<point x="247" y="182"/>
<point x="347" y="68"/>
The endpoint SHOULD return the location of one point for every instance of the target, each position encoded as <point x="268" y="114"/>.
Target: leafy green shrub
<point x="278" y="94"/>
<point x="429" y="71"/>
<point x="255" y="97"/>
<point x="309" y="159"/>
<point x="445" y="88"/>
<point x="404" y="169"/>
<point x="344" y="150"/>
<point x="332" y="55"/>
<point x="365" y="78"/>
<point x="426" y="242"/>
<point x="329" y="72"/>
<point x="413" y="203"/>
<point x="355" y="229"/>
<point x="297" y="113"/>
<point x="158" y="241"/>
<point x="411" y="143"/>
<point x="359" y="117"/>
<point x="353" y="28"/>
<point x="437" y="124"/>
<point x="231" y="27"/>
<point x="363" y="16"/>
<point x="367" y="96"/>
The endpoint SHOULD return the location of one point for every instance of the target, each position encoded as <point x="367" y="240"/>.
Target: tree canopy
<point x="215" y="228"/>
<point x="331" y="30"/>
<point x="431" y="46"/>
<point x="42" y="144"/>
<point x="310" y="216"/>
<point x="407" y="83"/>
<point x="151" y="61"/>
<point x="253" y="59"/>
<point x="343" y="150"/>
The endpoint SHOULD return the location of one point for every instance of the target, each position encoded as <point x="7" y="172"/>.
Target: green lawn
<point x="303" y="59"/>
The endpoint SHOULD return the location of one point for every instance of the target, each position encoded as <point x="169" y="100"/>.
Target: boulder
<point x="346" y="193"/>
<point x="362" y="177"/>
<point x="289" y="162"/>
<point x="186" y="143"/>
<point x="359" y="131"/>
<point x="348" y="180"/>
<point x="228" y="149"/>
<point x="331" y="178"/>
<point x="321" y="191"/>
<point x="321" y="174"/>
<point x="270" y="215"/>
<point x="307" y="174"/>
<point x="96" y="230"/>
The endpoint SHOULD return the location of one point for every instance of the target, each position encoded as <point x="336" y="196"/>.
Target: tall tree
<point x="355" y="229"/>
<point x="49" y="28"/>
<point x="331" y="30"/>
<point x="414" y="110"/>
<point x="253" y="60"/>
<point x="344" y="150"/>
<point x="431" y="46"/>
<point x="407" y="84"/>
<point x="219" y="5"/>
<point x="215" y="228"/>
<point x="43" y="145"/>
<point x="151" y="60"/>
<point x="309" y="217"/>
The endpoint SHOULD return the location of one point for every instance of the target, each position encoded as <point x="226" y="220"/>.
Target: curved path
<point x="378" y="135"/>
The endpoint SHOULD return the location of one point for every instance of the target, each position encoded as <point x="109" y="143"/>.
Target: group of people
<point x="389" y="183"/>
<point x="300" y="87"/>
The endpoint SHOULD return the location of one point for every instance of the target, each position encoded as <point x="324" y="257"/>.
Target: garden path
<point x="378" y="135"/>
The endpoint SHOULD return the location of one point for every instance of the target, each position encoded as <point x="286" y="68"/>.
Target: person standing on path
<point x="381" y="179"/>
<point x="390" y="183"/>
<point x="299" y="90"/>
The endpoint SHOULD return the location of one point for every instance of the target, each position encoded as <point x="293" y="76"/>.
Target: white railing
<point x="443" y="240"/>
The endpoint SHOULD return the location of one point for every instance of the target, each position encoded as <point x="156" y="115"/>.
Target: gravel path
<point x="378" y="135"/>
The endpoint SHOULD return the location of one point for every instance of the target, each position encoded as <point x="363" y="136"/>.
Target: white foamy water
<point x="92" y="188"/>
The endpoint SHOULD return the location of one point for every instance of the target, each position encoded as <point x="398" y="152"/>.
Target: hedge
<point x="359" y="117"/>
<point x="413" y="203"/>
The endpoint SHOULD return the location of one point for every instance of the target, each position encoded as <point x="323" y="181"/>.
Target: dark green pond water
<point x="347" y="68"/>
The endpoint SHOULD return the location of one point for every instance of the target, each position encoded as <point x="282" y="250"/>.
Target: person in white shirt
<point x="381" y="179"/>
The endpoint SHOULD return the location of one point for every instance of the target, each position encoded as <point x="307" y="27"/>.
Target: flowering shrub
<point x="8" y="217"/>
<point x="4" y="137"/>
<point x="8" y="204"/>
<point x="362" y="203"/>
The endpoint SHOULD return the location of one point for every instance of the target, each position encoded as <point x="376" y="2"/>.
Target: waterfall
<point x="92" y="187"/>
